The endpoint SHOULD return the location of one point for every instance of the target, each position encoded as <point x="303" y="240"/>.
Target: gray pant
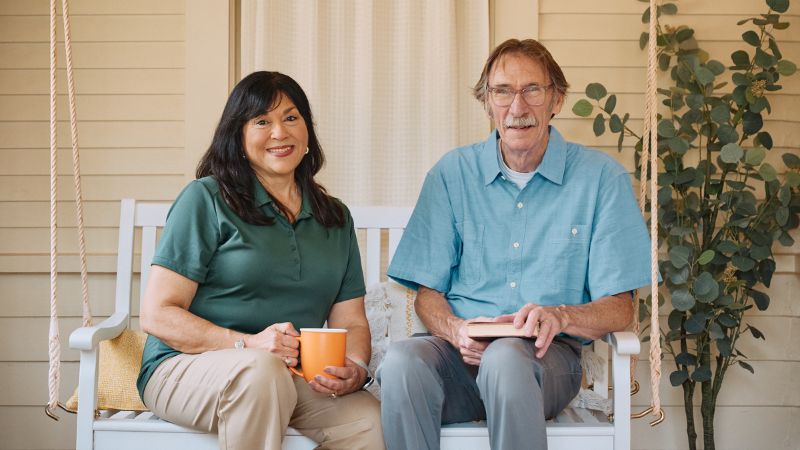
<point x="425" y="383"/>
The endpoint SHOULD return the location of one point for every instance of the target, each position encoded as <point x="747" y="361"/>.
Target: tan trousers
<point x="248" y="397"/>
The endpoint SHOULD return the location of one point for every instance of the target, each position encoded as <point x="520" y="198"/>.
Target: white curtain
<point x="389" y="83"/>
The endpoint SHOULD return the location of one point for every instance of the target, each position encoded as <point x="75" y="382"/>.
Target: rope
<point x="54" y="345"/>
<point x="76" y="168"/>
<point x="650" y="155"/>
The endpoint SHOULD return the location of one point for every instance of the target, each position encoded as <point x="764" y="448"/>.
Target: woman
<point x="253" y="250"/>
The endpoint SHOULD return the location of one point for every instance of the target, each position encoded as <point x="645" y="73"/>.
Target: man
<point x="525" y="228"/>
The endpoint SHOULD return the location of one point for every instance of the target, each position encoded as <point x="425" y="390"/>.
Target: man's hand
<point x="551" y="320"/>
<point x="470" y="349"/>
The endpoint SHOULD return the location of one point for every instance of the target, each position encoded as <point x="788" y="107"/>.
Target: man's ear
<point x="558" y="102"/>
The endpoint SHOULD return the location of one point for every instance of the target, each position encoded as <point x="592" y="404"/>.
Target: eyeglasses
<point x="532" y="95"/>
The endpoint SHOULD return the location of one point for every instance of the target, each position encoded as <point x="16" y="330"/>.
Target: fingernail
<point x="318" y="378"/>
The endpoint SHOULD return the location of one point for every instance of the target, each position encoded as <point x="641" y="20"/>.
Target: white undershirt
<point x="521" y="179"/>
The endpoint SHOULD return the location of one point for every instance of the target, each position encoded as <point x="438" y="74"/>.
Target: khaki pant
<point x="249" y="398"/>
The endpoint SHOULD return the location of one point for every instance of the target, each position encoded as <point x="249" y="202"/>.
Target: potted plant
<point x="721" y="206"/>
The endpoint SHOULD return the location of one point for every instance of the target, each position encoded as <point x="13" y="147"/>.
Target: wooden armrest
<point x="623" y="342"/>
<point x="87" y="338"/>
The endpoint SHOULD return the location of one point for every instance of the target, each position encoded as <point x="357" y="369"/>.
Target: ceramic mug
<point x="320" y="348"/>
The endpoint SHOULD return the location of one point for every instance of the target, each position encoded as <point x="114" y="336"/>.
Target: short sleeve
<point x="191" y="235"/>
<point x="619" y="254"/>
<point x="428" y="251"/>
<point x="353" y="280"/>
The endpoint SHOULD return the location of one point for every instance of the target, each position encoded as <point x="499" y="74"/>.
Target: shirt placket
<point x="515" y="245"/>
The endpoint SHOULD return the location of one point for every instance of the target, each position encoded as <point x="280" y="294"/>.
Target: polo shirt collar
<point x="552" y="166"/>
<point x="261" y="198"/>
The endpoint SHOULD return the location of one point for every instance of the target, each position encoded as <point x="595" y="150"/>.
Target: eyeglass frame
<point x="520" y="92"/>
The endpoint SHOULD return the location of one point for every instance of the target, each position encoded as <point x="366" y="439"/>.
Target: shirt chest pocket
<point x="569" y="252"/>
<point x="470" y="266"/>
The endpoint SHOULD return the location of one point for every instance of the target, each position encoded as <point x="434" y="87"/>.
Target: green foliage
<point x="721" y="206"/>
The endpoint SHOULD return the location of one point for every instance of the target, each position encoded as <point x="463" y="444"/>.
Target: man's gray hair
<point x="526" y="47"/>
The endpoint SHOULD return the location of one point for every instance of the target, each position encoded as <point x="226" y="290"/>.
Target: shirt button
<point x="574" y="231"/>
<point x="519" y="205"/>
<point x="516" y="244"/>
<point x="513" y="284"/>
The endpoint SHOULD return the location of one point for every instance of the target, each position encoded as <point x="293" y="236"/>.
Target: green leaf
<point x="643" y="38"/>
<point x="721" y="114"/>
<point x="792" y="179"/>
<point x="666" y="128"/>
<point x="756" y="332"/>
<point x="724" y="346"/>
<point x="682" y="300"/>
<point x="775" y="50"/>
<point x="767" y="172"/>
<point x="746" y="366"/>
<point x="678" y="377"/>
<point x="751" y="37"/>
<point x="743" y="263"/>
<point x="715" y="331"/>
<point x="615" y="123"/>
<point x="727" y="320"/>
<point x="679" y="276"/>
<point x="786" y="67"/>
<point x="686" y="359"/>
<point x="785" y="239"/>
<point x="791" y="160"/>
<point x="683" y="34"/>
<point x="715" y="67"/>
<point x="785" y="193"/>
<point x="740" y="58"/>
<point x="706" y="257"/>
<point x="678" y="145"/>
<point x="596" y="91"/>
<point x="701" y="374"/>
<point x="727" y="246"/>
<point x="727" y="134"/>
<point x="764" y="59"/>
<point x="754" y="156"/>
<point x="765" y="139"/>
<point x="704" y="76"/>
<point x="679" y="256"/>
<point x="599" y="125"/>
<point x="706" y="288"/>
<point x="760" y="252"/>
<point x="663" y="61"/>
<point x="670" y="9"/>
<point x="611" y="103"/>
<point x="695" y="101"/>
<point x="696" y="324"/>
<point x="731" y="153"/>
<point x="779" y="6"/>
<point x="751" y="122"/>
<point x="582" y="108"/>
<point x="725" y="300"/>
<point x="675" y="319"/>
<point x="782" y="216"/>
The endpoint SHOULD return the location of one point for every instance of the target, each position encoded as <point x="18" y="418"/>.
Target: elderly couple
<point x="524" y="227"/>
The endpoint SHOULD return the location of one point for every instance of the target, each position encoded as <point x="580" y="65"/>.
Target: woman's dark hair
<point x="256" y="94"/>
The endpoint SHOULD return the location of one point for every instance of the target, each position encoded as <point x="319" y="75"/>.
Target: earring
<point x="244" y="156"/>
<point x="306" y="151"/>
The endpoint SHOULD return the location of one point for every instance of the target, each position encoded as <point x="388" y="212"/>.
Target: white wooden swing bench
<point x="127" y="430"/>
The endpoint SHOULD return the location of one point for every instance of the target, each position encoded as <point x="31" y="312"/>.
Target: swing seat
<point x="574" y="428"/>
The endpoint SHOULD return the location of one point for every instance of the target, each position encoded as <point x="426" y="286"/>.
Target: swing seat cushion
<point x="120" y="359"/>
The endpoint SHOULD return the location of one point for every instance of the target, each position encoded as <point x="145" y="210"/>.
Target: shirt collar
<point x="552" y="166"/>
<point x="261" y="198"/>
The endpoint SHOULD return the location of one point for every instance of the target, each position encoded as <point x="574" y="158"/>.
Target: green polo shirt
<point x="252" y="276"/>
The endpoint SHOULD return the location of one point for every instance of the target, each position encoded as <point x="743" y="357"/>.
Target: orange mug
<point x="320" y="348"/>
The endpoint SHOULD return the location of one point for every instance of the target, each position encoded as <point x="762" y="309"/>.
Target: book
<point x="484" y="330"/>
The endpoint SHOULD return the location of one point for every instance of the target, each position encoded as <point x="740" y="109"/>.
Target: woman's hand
<point x="279" y="339"/>
<point x="349" y="378"/>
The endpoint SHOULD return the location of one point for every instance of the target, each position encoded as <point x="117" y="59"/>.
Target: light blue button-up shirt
<point x="573" y="234"/>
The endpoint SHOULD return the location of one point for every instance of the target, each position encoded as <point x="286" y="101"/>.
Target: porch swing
<point x="124" y="423"/>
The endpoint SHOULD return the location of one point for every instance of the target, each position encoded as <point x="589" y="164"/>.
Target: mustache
<point x="518" y="122"/>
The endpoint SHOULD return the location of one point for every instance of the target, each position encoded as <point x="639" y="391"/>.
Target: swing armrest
<point x="623" y="343"/>
<point x="87" y="338"/>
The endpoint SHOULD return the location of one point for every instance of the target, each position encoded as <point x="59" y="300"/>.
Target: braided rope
<point x="54" y="345"/>
<point x="652" y="146"/>
<point x="76" y="168"/>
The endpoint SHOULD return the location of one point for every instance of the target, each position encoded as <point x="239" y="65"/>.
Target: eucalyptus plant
<point x="721" y="205"/>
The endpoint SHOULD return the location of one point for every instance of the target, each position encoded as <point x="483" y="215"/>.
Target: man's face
<point x="517" y="72"/>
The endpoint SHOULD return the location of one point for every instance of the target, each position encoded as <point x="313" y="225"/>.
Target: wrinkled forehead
<point x="518" y="68"/>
